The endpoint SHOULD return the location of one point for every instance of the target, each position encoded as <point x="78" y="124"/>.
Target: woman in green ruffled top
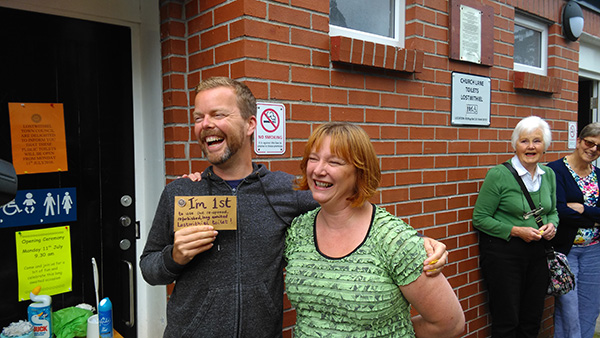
<point x="354" y="269"/>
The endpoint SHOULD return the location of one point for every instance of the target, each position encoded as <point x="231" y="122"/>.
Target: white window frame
<point x="541" y="27"/>
<point x="399" y="29"/>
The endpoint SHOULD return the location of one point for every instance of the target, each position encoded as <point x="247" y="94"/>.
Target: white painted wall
<point x="143" y="17"/>
<point x="589" y="54"/>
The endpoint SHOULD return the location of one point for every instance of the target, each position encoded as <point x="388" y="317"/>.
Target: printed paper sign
<point x="37" y="132"/>
<point x="44" y="259"/>
<point x="218" y="211"/>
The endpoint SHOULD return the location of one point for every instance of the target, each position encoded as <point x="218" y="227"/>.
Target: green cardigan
<point x="501" y="203"/>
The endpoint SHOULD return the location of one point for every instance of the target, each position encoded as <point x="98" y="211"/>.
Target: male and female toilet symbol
<point x="49" y="203"/>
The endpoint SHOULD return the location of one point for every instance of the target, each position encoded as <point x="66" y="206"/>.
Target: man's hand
<point x="191" y="241"/>
<point x="438" y="257"/>
<point x="194" y="177"/>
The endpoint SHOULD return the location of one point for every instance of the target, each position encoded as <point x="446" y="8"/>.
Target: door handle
<point x="131" y="320"/>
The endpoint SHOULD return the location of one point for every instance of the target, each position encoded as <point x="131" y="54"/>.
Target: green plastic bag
<point x="70" y="322"/>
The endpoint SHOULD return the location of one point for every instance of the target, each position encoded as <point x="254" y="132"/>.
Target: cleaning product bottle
<point x="105" y="318"/>
<point x="40" y="314"/>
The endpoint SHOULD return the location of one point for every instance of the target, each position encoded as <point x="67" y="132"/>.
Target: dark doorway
<point x="584" y="106"/>
<point x="86" y="66"/>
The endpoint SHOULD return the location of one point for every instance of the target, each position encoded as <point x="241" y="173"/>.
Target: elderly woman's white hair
<point x="530" y="124"/>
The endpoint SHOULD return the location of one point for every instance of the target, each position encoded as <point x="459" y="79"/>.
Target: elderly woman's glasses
<point x="591" y="144"/>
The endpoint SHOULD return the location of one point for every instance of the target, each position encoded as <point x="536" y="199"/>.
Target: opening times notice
<point x="38" y="137"/>
<point x="38" y="144"/>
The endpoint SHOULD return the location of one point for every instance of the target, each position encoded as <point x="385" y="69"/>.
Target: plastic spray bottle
<point x="105" y="318"/>
<point x="40" y="314"/>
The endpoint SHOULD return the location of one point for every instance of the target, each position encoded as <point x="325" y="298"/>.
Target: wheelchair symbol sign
<point x="39" y="206"/>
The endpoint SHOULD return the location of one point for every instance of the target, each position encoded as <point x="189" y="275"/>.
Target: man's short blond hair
<point x="245" y="99"/>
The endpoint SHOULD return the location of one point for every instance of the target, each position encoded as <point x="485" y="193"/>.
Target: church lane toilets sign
<point x="471" y="99"/>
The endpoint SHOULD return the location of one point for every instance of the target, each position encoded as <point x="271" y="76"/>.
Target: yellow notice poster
<point x="44" y="259"/>
<point x="218" y="211"/>
<point x="37" y="132"/>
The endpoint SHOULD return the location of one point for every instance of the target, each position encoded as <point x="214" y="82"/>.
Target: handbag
<point x="562" y="279"/>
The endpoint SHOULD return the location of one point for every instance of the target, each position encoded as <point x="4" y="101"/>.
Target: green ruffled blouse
<point x="356" y="295"/>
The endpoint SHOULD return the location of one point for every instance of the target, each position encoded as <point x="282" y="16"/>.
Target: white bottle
<point x="40" y="314"/>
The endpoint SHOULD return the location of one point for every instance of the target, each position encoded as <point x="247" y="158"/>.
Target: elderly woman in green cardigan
<point x="513" y="260"/>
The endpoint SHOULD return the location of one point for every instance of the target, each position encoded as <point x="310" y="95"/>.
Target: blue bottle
<point x="105" y="318"/>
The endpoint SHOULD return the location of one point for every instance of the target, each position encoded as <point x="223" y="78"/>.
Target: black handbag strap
<point x="538" y="219"/>
<point x="525" y="191"/>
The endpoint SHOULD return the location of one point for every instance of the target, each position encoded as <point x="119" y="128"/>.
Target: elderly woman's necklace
<point x="537" y="212"/>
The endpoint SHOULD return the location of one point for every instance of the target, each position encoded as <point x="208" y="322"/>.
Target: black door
<point x="86" y="66"/>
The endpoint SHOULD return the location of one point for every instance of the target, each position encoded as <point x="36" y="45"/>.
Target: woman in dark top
<point x="578" y="235"/>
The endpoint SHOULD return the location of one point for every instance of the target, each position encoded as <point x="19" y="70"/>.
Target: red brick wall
<point x="432" y="170"/>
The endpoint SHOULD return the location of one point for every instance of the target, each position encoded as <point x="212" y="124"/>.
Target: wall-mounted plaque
<point x="471" y="99"/>
<point x="470" y="34"/>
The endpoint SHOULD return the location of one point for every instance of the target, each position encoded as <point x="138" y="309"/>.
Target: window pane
<point x="372" y="16"/>
<point x="528" y="44"/>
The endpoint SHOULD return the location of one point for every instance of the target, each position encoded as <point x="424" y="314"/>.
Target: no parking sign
<point x="270" y="129"/>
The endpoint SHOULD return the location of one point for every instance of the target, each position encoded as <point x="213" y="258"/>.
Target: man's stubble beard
<point x="234" y="144"/>
<point x="216" y="159"/>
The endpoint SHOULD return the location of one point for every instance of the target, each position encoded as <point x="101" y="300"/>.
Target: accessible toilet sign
<point x="270" y="129"/>
<point x="40" y="206"/>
